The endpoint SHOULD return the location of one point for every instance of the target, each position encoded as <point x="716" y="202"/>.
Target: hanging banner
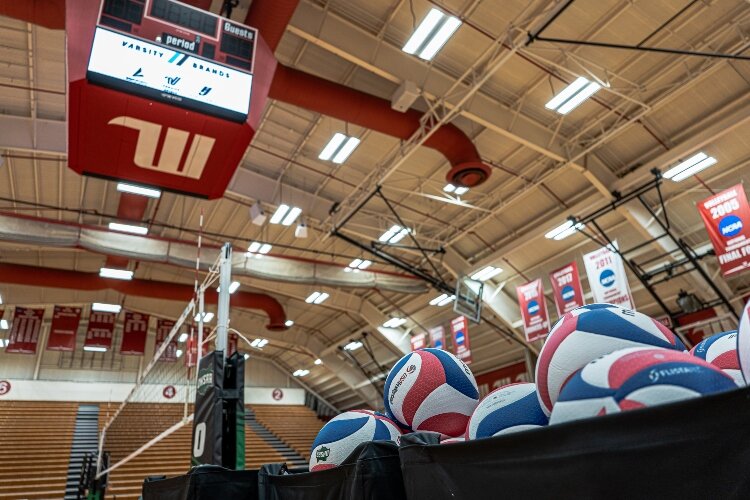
<point x="437" y="337"/>
<point x="460" y="330"/>
<point x="607" y="278"/>
<point x="24" y="334"/>
<point x="62" y="331"/>
<point x="727" y="219"/>
<point x="232" y="342"/>
<point x="533" y="310"/>
<point x="100" y="330"/>
<point x="191" y="348"/>
<point x="419" y="341"/>
<point x="511" y="374"/>
<point x="567" y="289"/>
<point x="163" y="327"/>
<point x="134" y="332"/>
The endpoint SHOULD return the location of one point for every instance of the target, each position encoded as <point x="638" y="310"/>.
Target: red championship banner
<point x="437" y="337"/>
<point x="24" y="334"/>
<point x="232" y="342"/>
<point x="566" y="287"/>
<point x="533" y="310"/>
<point x="191" y="349"/>
<point x="460" y="331"/>
<point x="163" y="327"/>
<point x="727" y="219"/>
<point x="511" y="374"/>
<point x="100" y="330"/>
<point x="62" y="332"/>
<point x="134" y="332"/>
<point x="419" y="341"/>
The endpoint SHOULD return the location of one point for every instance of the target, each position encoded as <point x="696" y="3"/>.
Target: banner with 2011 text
<point x="607" y="278"/>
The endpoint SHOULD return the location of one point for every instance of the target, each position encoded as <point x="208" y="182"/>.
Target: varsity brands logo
<point x="322" y="454"/>
<point x="533" y="307"/>
<point x="172" y="80"/>
<point x="239" y="31"/>
<point x="607" y="278"/>
<point x="729" y="226"/>
<point x="205" y="380"/>
<point x="204" y="91"/>
<point x="568" y="293"/>
<point x="656" y="375"/>
<point x="409" y="370"/>
<point x="172" y="159"/>
<point x="138" y="74"/>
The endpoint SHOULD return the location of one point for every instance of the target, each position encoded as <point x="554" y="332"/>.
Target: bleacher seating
<point x="140" y="422"/>
<point x="35" y="444"/>
<point x="296" y="425"/>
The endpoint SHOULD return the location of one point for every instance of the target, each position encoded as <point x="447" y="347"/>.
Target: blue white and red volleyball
<point x="590" y="331"/>
<point x="431" y="390"/>
<point x="342" y="434"/>
<point x="721" y="351"/>
<point x="634" y="378"/>
<point x="507" y="409"/>
<point x="743" y="343"/>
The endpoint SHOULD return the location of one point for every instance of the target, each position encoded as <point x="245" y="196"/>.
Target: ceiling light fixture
<point x="394" y="235"/>
<point x="339" y="148"/>
<point x="442" y="300"/>
<point x="358" y="264"/>
<point x="690" y="167"/>
<point x="317" y="298"/>
<point x="431" y="34"/>
<point x="1" y="299"/>
<point x="486" y="273"/>
<point x="234" y="286"/>
<point x="564" y="230"/>
<point x="285" y="215"/>
<point x="394" y="322"/>
<point x="92" y="348"/>
<point x="183" y="337"/>
<point x="207" y="317"/>
<point x="124" y="187"/>
<point x="457" y="190"/>
<point x="101" y="307"/>
<point x="247" y="356"/>
<point x="118" y="274"/>
<point x="128" y="228"/>
<point x="259" y="343"/>
<point x="288" y="323"/>
<point x="258" y="249"/>
<point x="573" y="95"/>
<point x="4" y="325"/>
<point x="179" y="353"/>
<point x="301" y="373"/>
<point x="318" y="361"/>
<point x="353" y="345"/>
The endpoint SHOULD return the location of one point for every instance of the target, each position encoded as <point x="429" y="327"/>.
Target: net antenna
<point x="161" y="401"/>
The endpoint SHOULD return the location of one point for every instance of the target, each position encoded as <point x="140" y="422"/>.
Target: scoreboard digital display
<point x="160" y="72"/>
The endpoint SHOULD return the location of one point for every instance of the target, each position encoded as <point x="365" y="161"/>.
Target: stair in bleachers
<point x="289" y="455"/>
<point x="85" y="440"/>
<point x="295" y="425"/>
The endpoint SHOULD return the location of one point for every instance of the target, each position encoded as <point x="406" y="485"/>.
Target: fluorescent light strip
<point x="124" y="187"/>
<point x="689" y="167"/>
<point x="449" y="188"/>
<point x="312" y="297"/>
<point x="254" y="247"/>
<point x="425" y="28"/>
<point x="333" y="145"/>
<point x="567" y="93"/>
<point x="1" y="299"/>
<point x="118" y="274"/>
<point x="486" y="273"/>
<point x="265" y="248"/>
<point x="179" y="353"/>
<point x="279" y="214"/>
<point x="346" y="150"/>
<point x="4" y="325"/>
<point x="394" y="322"/>
<point x="446" y="301"/>
<point x="568" y="232"/>
<point x="559" y="229"/>
<point x="702" y="165"/>
<point x="291" y="216"/>
<point x="461" y="190"/>
<point x="364" y="265"/>
<point x="318" y="362"/>
<point x="438" y="299"/>
<point x="446" y="30"/>
<point x="289" y="323"/>
<point x="101" y="307"/>
<point x="386" y="236"/>
<point x="400" y="236"/>
<point x="234" y="287"/>
<point x="183" y="337"/>
<point x="353" y="345"/>
<point x="92" y="348"/>
<point x="127" y="228"/>
<point x="591" y="89"/>
<point x="355" y="263"/>
<point x="321" y="298"/>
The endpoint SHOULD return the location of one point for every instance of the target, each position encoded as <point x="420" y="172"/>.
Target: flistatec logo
<point x="607" y="278"/>
<point x="729" y="226"/>
<point x="411" y="369"/>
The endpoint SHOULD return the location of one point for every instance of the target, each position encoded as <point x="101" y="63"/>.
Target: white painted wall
<point x="97" y="392"/>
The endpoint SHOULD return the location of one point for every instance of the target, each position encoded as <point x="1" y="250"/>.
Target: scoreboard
<point x="172" y="52"/>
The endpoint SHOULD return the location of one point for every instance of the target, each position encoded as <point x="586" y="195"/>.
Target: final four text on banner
<point x="727" y="219"/>
<point x="533" y="310"/>
<point x="62" y="331"/>
<point x="134" y="331"/>
<point x="566" y="287"/>
<point x="24" y="334"/>
<point x="461" y="347"/>
<point x="607" y="279"/>
<point x="419" y="341"/>
<point x="437" y="337"/>
<point x="163" y="327"/>
<point x="100" y="330"/>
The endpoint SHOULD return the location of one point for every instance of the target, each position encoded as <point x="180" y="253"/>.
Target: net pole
<point x="225" y="279"/>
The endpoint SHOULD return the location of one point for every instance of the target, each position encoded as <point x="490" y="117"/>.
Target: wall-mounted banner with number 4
<point x="727" y="219"/>
<point x="607" y="278"/>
